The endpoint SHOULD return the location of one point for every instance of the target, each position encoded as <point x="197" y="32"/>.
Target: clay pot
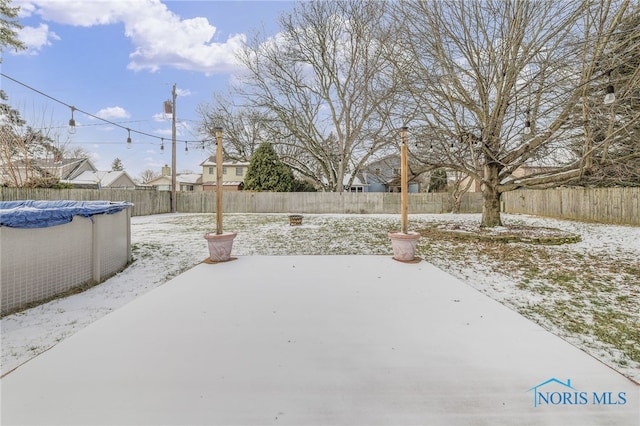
<point x="404" y="245"/>
<point x="220" y="245"/>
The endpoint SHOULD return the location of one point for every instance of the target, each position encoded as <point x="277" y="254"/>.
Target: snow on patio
<point x="316" y="340"/>
<point x="167" y="245"/>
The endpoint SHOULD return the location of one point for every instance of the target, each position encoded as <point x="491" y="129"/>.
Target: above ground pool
<point x="48" y="248"/>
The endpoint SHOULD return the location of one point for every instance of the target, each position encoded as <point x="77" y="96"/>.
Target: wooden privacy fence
<point x="605" y="205"/>
<point x="323" y="202"/>
<point x="156" y="202"/>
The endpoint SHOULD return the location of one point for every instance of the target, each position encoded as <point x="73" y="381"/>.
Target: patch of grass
<point x="620" y="330"/>
<point x="582" y="296"/>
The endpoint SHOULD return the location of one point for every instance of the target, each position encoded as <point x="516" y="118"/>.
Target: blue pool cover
<point x="42" y="214"/>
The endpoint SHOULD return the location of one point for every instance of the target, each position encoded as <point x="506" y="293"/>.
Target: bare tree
<point x="325" y="88"/>
<point x="614" y="125"/>
<point x="27" y="153"/>
<point x="460" y="185"/>
<point x="69" y="151"/>
<point x="244" y="128"/>
<point x="148" y="175"/>
<point x="495" y="85"/>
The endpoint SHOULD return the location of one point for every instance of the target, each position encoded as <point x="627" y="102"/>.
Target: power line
<point x="113" y="123"/>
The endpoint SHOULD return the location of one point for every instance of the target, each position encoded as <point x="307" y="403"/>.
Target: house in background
<point x="189" y="182"/>
<point x="233" y="174"/>
<point x="184" y="181"/>
<point x="357" y="185"/>
<point x="383" y="175"/>
<point x="99" y="180"/>
<point x="19" y="172"/>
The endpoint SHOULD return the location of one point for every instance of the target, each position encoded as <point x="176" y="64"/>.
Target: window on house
<point x="224" y="170"/>
<point x="212" y="170"/>
<point x="238" y="171"/>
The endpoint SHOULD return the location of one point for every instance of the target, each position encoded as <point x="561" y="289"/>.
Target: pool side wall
<point x="38" y="264"/>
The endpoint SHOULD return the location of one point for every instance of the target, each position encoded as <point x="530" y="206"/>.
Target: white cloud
<point x="161" y="38"/>
<point x="26" y="8"/>
<point x="161" y="117"/>
<point x="112" y="112"/>
<point x="35" y="38"/>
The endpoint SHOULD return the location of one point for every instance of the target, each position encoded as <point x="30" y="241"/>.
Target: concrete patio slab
<point x="316" y="340"/>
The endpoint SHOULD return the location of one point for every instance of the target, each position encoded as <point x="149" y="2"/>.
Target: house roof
<point x="356" y="181"/>
<point x="160" y="180"/>
<point x="67" y="166"/>
<point x="211" y="161"/>
<point x="192" y="178"/>
<point x="51" y="163"/>
<point x="105" y="178"/>
<point x="186" y="178"/>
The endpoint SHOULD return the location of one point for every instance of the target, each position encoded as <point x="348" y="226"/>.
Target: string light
<point x="527" y="125"/>
<point x="129" y="138"/>
<point x="161" y="144"/>
<point x="610" y="97"/>
<point x="186" y="148"/>
<point x="72" y="123"/>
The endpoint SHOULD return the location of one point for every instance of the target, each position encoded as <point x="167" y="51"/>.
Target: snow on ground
<point x="166" y="245"/>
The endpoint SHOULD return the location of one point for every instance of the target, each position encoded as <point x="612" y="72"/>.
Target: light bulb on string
<point x="527" y="124"/>
<point x="72" y="123"/>
<point x="162" y="145"/>
<point x="129" y="139"/>
<point x="186" y="148"/>
<point x="610" y="97"/>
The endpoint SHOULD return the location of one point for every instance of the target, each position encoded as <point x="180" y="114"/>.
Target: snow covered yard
<point x="586" y="292"/>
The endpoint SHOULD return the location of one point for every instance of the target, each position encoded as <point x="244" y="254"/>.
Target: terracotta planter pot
<point x="404" y="245"/>
<point x="220" y="245"/>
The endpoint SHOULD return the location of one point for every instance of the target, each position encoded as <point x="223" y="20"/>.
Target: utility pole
<point x="174" y="200"/>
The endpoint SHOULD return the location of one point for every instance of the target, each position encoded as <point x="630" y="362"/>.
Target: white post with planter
<point x="404" y="242"/>
<point x="220" y="244"/>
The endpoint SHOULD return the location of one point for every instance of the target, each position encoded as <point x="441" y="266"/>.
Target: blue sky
<point x="118" y="59"/>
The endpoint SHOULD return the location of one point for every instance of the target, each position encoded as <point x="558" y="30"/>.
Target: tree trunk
<point x="491" y="198"/>
<point x="457" y="202"/>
